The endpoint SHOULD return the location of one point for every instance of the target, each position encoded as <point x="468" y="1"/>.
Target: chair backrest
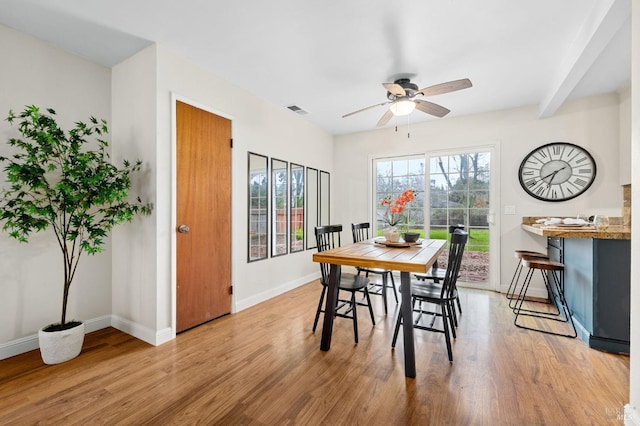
<point x="360" y="231"/>
<point x="452" y="229"/>
<point x="456" y="251"/>
<point x="327" y="237"/>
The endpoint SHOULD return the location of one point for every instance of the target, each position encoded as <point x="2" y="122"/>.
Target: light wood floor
<point x="263" y="366"/>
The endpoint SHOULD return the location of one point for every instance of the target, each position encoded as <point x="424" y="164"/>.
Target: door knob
<point x="183" y="229"/>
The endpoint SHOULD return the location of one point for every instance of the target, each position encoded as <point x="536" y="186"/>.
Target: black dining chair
<point x="442" y="294"/>
<point x="328" y="237"/>
<point x="360" y="232"/>
<point x="437" y="274"/>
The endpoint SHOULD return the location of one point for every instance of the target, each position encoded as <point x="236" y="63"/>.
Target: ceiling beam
<point x="599" y="28"/>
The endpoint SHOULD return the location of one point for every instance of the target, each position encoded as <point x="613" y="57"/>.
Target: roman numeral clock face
<point x="557" y="171"/>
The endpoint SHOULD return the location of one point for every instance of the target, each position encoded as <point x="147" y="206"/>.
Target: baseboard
<point x="266" y="295"/>
<point x="30" y="343"/>
<point x="18" y="346"/>
<point x="142" y="332"/>
<point x="583" y="333"/>
<point x="609" y="345"/>
<point x="631" y="416"/>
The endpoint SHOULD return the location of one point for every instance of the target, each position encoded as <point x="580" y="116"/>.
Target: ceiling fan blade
<point x="395" y="89"/>
<point x="431" y="108"/>
<point x="450" y="86"/>
<point x="385" y="118"/>
<point x="364" y="109"/>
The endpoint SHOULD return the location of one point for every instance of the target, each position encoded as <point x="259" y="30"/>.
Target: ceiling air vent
<point x="297" y="109"/>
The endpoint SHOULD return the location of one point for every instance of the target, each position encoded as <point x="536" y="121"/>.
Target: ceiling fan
<point x="402" y="95"/>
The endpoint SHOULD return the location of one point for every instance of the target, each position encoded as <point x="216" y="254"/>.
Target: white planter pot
<point x="391" y="234"/>
<point x="61" y="346"/>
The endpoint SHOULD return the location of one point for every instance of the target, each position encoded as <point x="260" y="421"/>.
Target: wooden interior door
<point x="203" y="252"/>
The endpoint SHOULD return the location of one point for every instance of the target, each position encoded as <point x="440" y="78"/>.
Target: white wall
<point x="144" y="287"/>
<point x="625" y="135"/>
<point x="31" y="276"/>
<point x="136" y="297"/>
<point x="592" y="123"/>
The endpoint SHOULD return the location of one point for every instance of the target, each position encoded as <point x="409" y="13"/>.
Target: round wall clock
<point x="557" y="171"/>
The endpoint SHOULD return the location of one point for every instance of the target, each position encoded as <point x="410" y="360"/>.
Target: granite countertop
<point x="613" y="232"/>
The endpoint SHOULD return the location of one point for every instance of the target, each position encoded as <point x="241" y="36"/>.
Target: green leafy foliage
<point x="55" y="181"/>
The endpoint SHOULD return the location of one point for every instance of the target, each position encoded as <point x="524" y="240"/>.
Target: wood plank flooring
<point x="263" y="366"/>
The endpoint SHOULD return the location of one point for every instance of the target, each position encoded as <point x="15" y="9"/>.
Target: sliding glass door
<point x="459" y="194"/>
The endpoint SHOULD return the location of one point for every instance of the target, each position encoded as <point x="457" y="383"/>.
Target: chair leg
<point x="384" y="291"/>
<point x="454" y="316"/>
<point x="355" y="315"/>
<point x="544" y="315"/>
<point x="451" y="316"/>
<point x="511" y="291"/>
<point x="515" y="301"/>
<point x="446" y="333"/>
<point x="446" y="309"/>
<point x="397" y="329"/>
<point x="366" y="294"/>
<point x="551" y="295"/>
<point x="315" y="322"/>
<point x="393" y="285"/>
<point x="451" y="312"/>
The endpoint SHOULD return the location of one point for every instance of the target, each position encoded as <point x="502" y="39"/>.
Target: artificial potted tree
<point x="60" y="180"/>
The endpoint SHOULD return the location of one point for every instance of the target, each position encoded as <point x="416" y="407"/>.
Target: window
<point x="394" y="176"/>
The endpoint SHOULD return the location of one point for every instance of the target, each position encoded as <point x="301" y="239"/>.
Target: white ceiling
<point x="330" y="57"/>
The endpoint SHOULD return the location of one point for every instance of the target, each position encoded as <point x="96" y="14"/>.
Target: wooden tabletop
<point x="370" y="254"/>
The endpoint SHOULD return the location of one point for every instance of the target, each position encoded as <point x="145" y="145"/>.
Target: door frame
<point x="175" y="97"/>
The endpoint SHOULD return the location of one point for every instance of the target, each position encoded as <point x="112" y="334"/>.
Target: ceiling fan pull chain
<point x="408" y="127"/>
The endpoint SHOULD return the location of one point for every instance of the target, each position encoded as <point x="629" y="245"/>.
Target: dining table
<point x="406" y="258"/>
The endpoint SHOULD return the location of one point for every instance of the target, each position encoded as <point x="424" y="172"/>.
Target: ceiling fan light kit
<point x="402" y="95"/>
<point x="402" y="107"/>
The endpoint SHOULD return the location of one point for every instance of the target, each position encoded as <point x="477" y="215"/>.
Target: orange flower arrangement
<point x="393" y="213"/>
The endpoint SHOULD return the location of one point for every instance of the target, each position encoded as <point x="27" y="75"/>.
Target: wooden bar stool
<point x="556" y="293"/>
<point x="513" y="286"/>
